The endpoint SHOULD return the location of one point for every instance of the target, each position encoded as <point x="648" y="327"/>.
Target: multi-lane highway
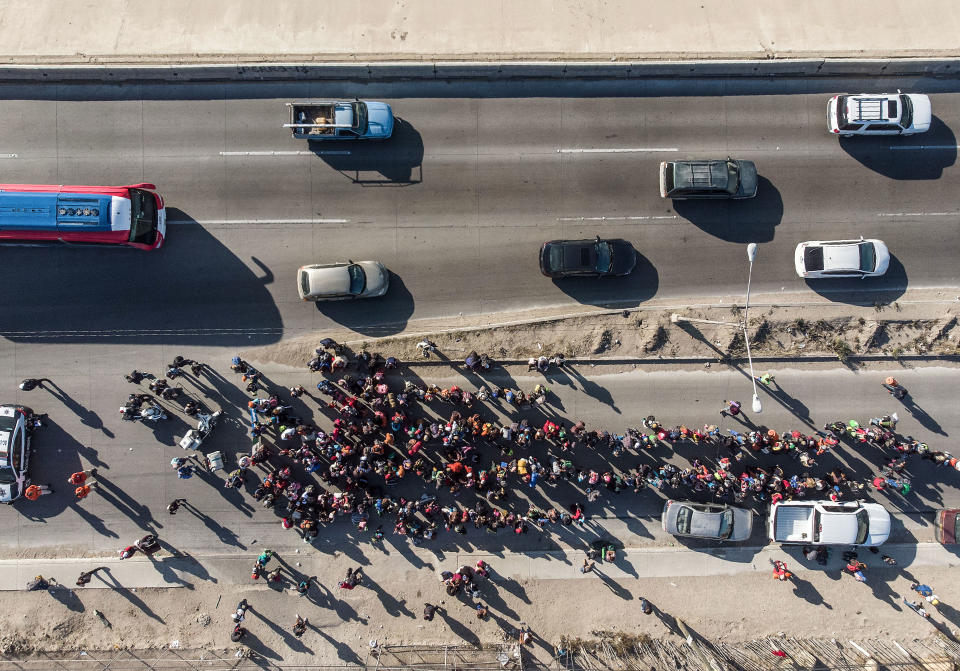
<point x="477" y="176"/>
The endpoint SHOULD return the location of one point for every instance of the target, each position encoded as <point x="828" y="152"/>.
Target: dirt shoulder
<point x="666" y="333"/>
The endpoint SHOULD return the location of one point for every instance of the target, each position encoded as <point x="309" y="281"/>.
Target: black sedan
<point x="587" y="258"/>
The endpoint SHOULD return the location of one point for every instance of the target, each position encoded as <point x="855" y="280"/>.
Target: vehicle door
<point x="883" y="129"/>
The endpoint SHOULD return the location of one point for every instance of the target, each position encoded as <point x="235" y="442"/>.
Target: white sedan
<point x="823" y="259"/>
<point x="341" y="281"/>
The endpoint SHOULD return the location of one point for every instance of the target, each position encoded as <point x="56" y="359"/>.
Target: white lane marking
<point x="344" y="152"/>
<point x="257" y="221"/>
<point x="635" y="218"/>
<point x="8" y="156"/>
<point x="918" y="214"/>
<point x="625" y="150"/>
<point x="924" y="146"/>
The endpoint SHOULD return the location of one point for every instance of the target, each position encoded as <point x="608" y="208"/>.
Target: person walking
<point x="481" y="611"/>
<point x="916" y="607"/>
<point x="354" y="578"/>
<point x="34" y="492"/>
<point x="174" y="506"/>
<point x="645" y="606"/>
<point x="264" y="557"/>
<point x="428" y="611"/>
<point x="299" y="627"/>
<point x="241" y="612"/>
<point x="38" y="583"/>
<point x="85" y="576"/>
<point x="81" y="492"/>
<point x="732" y="408"/>
<point x="855" y="567"/>
<point x="766" y="379"/>
<point x="587" y="566"/>
<point x="780" y="571"/>
<point x="81" y="477"/>
<point x="274" y="575"/>
<point x="238" y="633"/>
<point x="926" y="592"/>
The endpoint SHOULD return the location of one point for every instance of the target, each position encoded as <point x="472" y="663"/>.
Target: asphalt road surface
<point x="477" y="177"/>
<point x="137" y="482"/>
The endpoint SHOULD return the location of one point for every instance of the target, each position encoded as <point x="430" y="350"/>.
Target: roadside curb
<point x="444" y="70"/>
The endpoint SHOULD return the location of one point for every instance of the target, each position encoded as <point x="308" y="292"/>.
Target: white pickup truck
<point x="829" y="523"/>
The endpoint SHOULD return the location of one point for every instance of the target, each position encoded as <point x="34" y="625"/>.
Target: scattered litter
<point x="673" y="584"/>
<point x="174" y="645"/>
<point x="298" y="563"/>
<point x="203" y="619"/>
<point x="373" y="642"/>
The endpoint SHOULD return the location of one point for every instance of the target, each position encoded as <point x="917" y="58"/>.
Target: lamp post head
<point x="752" y="251"/>
<point x="756" y="404"/>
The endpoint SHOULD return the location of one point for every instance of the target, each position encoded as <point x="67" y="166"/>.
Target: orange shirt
<point x="77" y="478"/>
<point x="82" y="491"/>
<point x="33" y="492"/>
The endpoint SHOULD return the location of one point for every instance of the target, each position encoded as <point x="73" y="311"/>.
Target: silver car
<point x="341" y="281"/>
<point x="707" y="520"/>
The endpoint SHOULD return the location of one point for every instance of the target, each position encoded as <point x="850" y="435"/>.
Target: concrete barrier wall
<point x="487" y="70"/>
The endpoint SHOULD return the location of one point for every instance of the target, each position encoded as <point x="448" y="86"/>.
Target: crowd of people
<point x="386" y="429"/>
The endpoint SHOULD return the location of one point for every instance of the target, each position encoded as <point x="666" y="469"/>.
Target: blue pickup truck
<point x="333" y="120"/>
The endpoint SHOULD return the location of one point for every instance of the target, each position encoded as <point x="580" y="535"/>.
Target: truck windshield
<point x="143" y="217"/>
<point x="863" y="527"/>
<point x="360" y="117"/>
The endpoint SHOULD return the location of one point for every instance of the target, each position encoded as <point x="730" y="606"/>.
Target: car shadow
<point x="916" y="157"/>
<point x="374" y="317"/>
<point x="881" y="290"/>
<point x="138" y="297"/>
<point x="614" y="292"/>
<point x="394" y="162"/>
<point x="751" y="220"/>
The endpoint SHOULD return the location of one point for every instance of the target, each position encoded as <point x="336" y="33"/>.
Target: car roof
<point x="874" y="107"/>
<point x="842" y="257"/>
<point x="705" y="524"/>
<point x="700" y="174"/>
<point x="578" y="253"/>
<point x="329" y="281"/>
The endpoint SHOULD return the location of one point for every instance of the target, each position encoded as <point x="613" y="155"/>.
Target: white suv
<point x="878" y="114"/>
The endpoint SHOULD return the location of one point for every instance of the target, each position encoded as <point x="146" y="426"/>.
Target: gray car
<point x="707" y="520"/>
<point x="342" y="281"/>
<point x="721" y="178"/>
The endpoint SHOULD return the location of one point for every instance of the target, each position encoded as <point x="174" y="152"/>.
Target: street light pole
<point x="751" y="255"/>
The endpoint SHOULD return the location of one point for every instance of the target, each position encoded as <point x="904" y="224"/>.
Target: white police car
<point x="14" y="452"/>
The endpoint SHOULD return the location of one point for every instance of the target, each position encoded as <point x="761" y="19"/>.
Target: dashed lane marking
<point x="923" y="146"/>
<point x="344" y="152"/>
<point x="221" y="222"/>
<point x="624" y="150"/>
<point x="631" y="218"/>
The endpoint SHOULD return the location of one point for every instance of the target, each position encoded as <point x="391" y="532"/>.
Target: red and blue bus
<point x="131" y="215"/>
